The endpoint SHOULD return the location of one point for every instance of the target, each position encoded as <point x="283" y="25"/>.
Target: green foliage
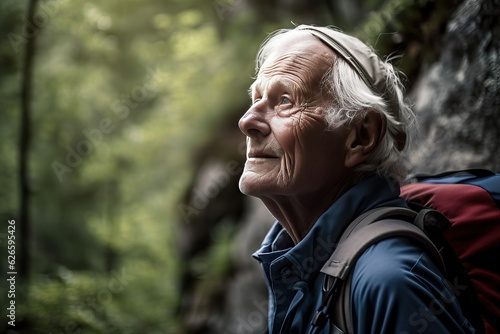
<point x="11" y="12"/>
<point x="124" y="92"/>
<point x="119" y="302"/>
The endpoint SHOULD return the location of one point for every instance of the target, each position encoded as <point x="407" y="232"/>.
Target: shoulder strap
<point x="366" y="230"/>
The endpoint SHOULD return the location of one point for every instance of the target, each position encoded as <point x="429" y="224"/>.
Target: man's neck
<point x="299" y="213"/>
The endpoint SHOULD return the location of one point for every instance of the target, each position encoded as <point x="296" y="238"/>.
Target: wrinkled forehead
<point x="292" y="43"/>
<point x="295" y="55"/>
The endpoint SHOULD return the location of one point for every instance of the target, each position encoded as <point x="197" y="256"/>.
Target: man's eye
<point x="285" y="100"/>
<point x="286" y="107"/>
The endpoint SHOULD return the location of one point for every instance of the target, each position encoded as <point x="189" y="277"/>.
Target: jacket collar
<point x="311" y="253"/>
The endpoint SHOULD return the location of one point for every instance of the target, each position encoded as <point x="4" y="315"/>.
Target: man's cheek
<point x="309" y="124"/>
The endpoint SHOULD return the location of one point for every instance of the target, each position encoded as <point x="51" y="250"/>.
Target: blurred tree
<point x="24" y="144"/>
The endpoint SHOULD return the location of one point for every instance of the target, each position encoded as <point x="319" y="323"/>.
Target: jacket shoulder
<point x="396" y="287"/>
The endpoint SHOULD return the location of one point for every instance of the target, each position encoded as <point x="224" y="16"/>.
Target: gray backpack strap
<point x="363" y="232"/>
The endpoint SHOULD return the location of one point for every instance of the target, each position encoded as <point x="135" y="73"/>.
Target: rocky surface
<point x="457" y="98"/>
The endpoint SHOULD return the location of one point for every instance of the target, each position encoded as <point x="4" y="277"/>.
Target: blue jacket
<point x="396" y="287"/>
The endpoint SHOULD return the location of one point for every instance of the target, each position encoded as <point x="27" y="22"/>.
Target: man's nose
<point x="254" y="122"/>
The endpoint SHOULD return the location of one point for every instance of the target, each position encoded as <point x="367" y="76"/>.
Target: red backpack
<point x="456" y="216"/>
<point x="470" y="200"/>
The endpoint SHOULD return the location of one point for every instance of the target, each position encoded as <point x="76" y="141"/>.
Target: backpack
<point x="456" y="217"/>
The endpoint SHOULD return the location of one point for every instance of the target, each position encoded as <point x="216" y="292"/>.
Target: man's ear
<point x="364" y="136"/>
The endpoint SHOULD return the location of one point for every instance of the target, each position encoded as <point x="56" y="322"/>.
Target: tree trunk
<point x="24" y="142"/>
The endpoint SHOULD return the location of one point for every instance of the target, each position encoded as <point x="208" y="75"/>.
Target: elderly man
<point x="325" y="134"/>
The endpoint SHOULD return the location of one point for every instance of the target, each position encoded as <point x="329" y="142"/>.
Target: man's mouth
<point x="260" y="155"/>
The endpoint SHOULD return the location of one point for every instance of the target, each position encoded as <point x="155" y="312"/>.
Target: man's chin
<point x="246" y="188"/>
<point x="251" y="185"/>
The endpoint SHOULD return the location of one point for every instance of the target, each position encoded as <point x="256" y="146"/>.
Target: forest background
<point x="109" y="109"/>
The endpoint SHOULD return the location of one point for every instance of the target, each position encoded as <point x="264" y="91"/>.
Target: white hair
<point x="352" y="99"/>
<point x="349" y="99"/>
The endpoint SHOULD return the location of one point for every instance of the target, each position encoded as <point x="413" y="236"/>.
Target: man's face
<point x="289" y="150"/>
